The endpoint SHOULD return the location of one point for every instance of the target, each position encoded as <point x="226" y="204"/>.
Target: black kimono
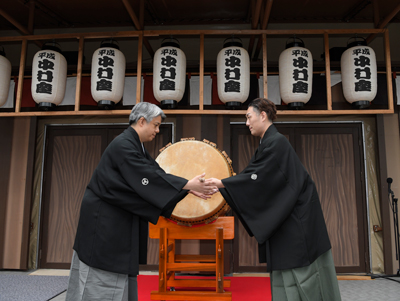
<point x="128" y="189"/>
<point x="278" y="204"/>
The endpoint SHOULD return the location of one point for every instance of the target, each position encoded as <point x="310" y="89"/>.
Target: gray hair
<point x="146" y="110"/>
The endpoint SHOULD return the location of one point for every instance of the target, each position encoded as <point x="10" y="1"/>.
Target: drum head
<point x="188" y="159"/>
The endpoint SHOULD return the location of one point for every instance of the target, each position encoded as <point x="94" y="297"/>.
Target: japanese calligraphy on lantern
<point x="45" y="66"/>
<point x="295" y="75"/>
<point x="232" y="70"/>
<point x="233" y="75"/>
<point x="49" y="77"/>
<point x="362" y="69"/>
<point x="300" y="71"/>
<point x="168" y="69"/>
<point x="169" y="74"/>
<point x="108" y="75"/>
<point x="359" y="75"/>
<point x="105" y="69"/>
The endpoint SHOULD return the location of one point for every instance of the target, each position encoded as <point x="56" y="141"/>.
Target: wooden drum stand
<point x="169" y="262"/>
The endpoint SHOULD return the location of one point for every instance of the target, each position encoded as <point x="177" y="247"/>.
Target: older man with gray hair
<point x="128" y="189"/>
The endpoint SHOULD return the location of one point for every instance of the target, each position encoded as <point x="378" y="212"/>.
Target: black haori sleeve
<point x="153" y="186"/>
<point x="265" y="193"/>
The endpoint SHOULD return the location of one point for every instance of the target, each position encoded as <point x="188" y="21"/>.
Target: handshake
<point x="203" y="188"/>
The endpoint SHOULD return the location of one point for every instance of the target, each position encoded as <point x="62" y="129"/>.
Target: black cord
<point x="374" y="276"/>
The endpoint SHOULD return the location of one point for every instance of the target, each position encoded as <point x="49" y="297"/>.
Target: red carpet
<point x="242" y="288"/>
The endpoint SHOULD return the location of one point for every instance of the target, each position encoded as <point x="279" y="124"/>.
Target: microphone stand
<point x="393" y="204"/>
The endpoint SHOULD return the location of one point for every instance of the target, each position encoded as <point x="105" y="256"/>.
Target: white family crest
<point x="254" y="176"/>
<point x="145" y="181"/>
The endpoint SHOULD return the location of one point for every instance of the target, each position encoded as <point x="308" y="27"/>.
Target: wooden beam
<point x="156" y="33"/>
<point x="254" y="24"/>
<point x="355" y="10"/>
<point x="79" y="75"/>
<point x="148" y="47"/>
<point x="14" y="22"/>
<point x="265" y="67"/>
<point x="256" y="15"/>
<point x="19" y="26"/>
<point x="198" y="112"/>
<point x="267" y="13"/>
<point x="201" y="88"/>
<point x="141" y="14"/>
<point x="31" y="19"/>
<point x="139" y="69"/>
<point x="49" y="13"/>
<point x="132" y="14"/>
<point x="385" y="22"/>
<point x="388" y="70"/>
<point x="389" y="17"/>
<point x="21" y="76"/>
<point x="138" y="26"/>
<point x="250" y="10"/>
<point x="263" y="5"/>
<point x="375" y="4"/>
<point x="328" y="72"/>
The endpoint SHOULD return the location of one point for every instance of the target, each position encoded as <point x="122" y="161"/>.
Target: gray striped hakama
<point x="91" y="284"/>
<point x="316" y="282"/>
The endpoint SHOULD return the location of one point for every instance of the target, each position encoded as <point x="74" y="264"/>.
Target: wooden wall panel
<point x="73" y="159"/>
<point x="329" y="159"/>
<point x="6" y="133"/>
<point x="15" y="214"/>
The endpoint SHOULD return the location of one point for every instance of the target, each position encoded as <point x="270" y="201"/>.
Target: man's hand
<point x="214" y="182"/>
<point x="200" y="185"/>
<point x="200" y="195"/>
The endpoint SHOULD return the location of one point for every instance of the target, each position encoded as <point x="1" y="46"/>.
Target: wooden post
<point x="21" y="75"/>
<point x="265" y="67"/>
<point x="31" y="19"/>
<point x="328" y="72"/>
<point x="163" y="255"/>
<point x="171" y="255"/>
<point x="388" y="70"/>
<point x="219" y="251"/>
<point x="79" y="75"/>
<point x="222" y="228"/>
<point x="139" y="68"/>
<point x="201" y="88"/>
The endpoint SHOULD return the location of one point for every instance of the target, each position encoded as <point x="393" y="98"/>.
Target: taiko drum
<point x="189" y="158"/>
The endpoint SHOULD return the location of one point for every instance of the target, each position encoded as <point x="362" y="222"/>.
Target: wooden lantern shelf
<point x="325" y="34"/>
<point x="170" y="263"/>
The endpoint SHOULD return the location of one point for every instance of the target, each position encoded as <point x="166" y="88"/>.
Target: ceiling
<point x="64" y="14"/>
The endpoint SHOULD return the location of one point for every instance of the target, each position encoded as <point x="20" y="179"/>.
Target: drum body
<point x="187" y="159"/>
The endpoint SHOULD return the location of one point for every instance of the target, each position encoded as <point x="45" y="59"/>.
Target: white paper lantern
<point x="5" y="75"/>
<point x="108" y="75"/>
<point x="169" y="74"/>
<point x="295" y="74"/>
<point x="233" y="74"/>
<point x="49" y="76"/>
<point x="359" y="74"/>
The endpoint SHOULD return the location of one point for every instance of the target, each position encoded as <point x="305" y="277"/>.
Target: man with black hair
<point x="277" y="203"/>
